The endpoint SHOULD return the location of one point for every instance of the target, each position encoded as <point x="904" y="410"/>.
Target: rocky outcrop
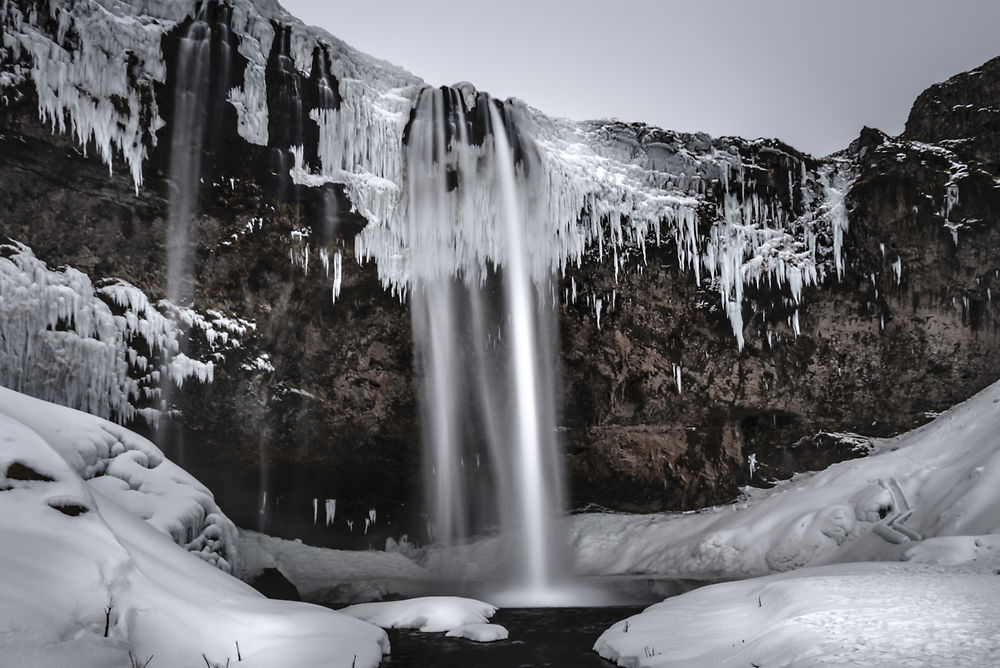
<point x="865" y="327"/>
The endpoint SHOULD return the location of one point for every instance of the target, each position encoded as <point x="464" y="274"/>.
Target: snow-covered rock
<point x="428" y="614"/>
<point x="479" y="632"/>
<point x="940" y="480"/>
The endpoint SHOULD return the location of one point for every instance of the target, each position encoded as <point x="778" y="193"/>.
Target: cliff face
<point x="718" y="298"/>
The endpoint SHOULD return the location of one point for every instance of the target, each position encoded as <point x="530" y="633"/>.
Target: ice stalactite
<point x="330" y="507"/>
<point x="83" y="77"/>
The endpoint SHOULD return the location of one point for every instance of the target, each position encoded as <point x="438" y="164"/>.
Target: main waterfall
<point x="483" y="312"/>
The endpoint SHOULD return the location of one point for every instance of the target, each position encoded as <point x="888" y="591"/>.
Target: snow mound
<point x="77" y="560"/>
<point x="854" y="614"/>
<point x="429" y="614"/>
<point x="941" y="481"/>
<point x="479" y="632"/>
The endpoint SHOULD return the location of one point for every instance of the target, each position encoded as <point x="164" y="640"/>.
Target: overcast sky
<point x="810" y="72"/>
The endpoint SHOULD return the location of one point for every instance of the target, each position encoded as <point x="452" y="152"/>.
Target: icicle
<point x="752" y="463"/>
<point x="331" y="510"/>
<point x="315" y="510"/>
<point x="338" y="269"/>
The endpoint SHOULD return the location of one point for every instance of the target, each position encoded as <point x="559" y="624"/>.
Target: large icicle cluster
<point x="102" y="350"/>
<point x="603" y="190"/>
<point x="85" y="81"/>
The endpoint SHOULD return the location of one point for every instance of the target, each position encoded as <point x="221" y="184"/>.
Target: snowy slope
<point x="75" y="548"/>
<point x="928" y="500"/>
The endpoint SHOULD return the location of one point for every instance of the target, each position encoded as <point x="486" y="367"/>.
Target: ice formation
<point x="64" y="340"/>
<point x="607" y="190"/>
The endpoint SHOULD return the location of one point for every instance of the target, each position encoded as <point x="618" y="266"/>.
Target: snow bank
<point x="327" y="576"/>
<point x="853" y="614"/>
<point x="76" y="558"/>
<point x="133" y="473"/>
<point x="429" y="614"/>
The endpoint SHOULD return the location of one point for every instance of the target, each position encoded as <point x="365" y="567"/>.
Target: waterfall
<point x="191" y="99"/>
<point x="482" y="322"/>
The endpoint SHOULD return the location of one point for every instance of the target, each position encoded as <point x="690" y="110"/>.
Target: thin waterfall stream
<point x="191" y="98"/>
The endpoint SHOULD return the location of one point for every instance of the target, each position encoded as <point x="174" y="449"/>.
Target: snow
<point x="429" y="614"/>
<point x="324" y="575"/>
<point x="63" y="569"/>
<point x="852" y="614"/>
<point x="479" y="632"/>
<point x="132" y="472"/>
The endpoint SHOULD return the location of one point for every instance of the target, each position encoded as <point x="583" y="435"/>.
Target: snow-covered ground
<point x="90" y="571"/>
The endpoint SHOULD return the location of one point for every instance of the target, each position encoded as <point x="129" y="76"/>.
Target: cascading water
<point x="191" y="97"/>
<point x="482" y="328"/>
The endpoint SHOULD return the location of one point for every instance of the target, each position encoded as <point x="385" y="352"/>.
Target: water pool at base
<point x="539" y="637"/>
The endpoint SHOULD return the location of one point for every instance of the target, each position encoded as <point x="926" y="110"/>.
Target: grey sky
<point x="809" y="72"/>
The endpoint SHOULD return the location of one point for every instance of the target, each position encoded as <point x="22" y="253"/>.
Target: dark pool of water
<point x="557" y="637"/>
